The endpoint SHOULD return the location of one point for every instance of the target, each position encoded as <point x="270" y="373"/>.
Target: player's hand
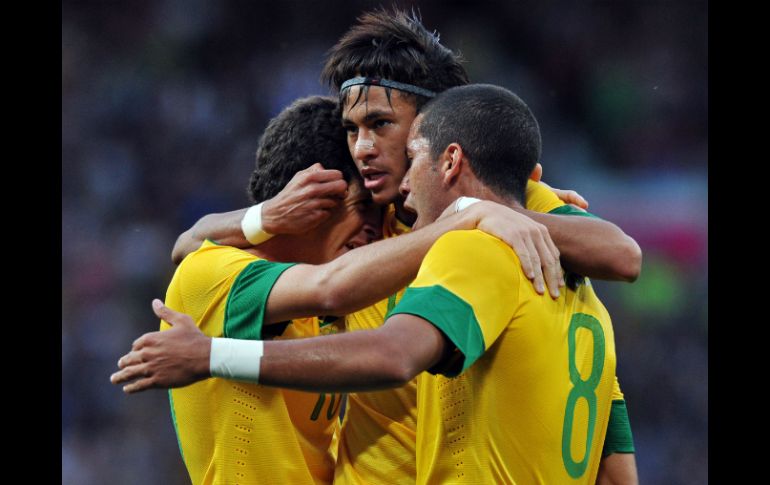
<point x="529" y="239"/>
<point x="569" y="197"/>
<point x="305" y="202"/>
<point x="175" y="357"/>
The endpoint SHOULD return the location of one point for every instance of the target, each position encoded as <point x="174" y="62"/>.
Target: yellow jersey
<point x="378" y="432"/>
<point x="526" y="395"/>
<point x="377" y="443"/>
<point x="235" y="432"/>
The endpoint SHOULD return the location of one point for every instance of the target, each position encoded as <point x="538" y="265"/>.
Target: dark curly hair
<point x="395" y="46"/>
<point x="306" y="132"/>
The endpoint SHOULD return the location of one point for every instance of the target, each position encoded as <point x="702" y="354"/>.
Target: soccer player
<point x="224" y="428"/>
<point x="378" y="436"/>
<point x="523" y="383"/>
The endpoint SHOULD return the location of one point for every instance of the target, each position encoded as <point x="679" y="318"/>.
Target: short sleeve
<point x="246" y="303"/>
<point x="568" y="210"/>
<point x="540" y="198"/>
<point x="467" y="287"/>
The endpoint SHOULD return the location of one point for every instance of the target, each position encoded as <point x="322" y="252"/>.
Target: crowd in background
<point x="163" y="103"/>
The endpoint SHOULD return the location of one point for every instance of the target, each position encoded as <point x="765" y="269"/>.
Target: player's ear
<point x="452" y="163"/>
<point x="537" y="173"/>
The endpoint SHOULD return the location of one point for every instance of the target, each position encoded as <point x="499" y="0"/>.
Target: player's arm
<point x="567" y="196"/>
<point x="618" y="469"/>
<point x="592" y="247"/>
<point x="300" y="206"/>
<point x="368" y="274"/>
<point x="408" y="343"/>
<point x="224" y="228"/>
<point x="386" y="357"/>
<point x="618" y="464"/>
<point x="589" y="246"/>
<point x="389" y="356"/>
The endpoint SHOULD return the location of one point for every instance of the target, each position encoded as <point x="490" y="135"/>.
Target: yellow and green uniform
<point x="378" y="432"/>
<point x="235" y="432"/>
<point x="377" y="444"/>
<point x="526" y="395"/>
<point x="619" y="437"/>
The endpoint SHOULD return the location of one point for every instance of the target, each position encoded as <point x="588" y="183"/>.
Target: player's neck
<point x="475" y="188"/>
<point x="402" y="214"/>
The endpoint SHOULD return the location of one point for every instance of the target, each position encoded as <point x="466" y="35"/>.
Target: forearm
<point x="360" y="277"/>
<point x="349" y="362"/>
<point x="224" y="228"/>
<point x="387" y="357"/>
<point x="592" y="247"/>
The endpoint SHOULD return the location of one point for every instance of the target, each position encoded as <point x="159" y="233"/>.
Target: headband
<point x="373" y="81"/>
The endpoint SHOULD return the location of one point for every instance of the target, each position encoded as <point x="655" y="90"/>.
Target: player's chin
<point x="385" y="196"/>
<point x="419" y="223"/>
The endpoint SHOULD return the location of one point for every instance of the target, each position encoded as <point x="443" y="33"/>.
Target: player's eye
<point x="381" y="123"/>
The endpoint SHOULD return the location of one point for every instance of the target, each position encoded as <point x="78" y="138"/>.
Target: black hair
<point x="395" y="46"/>
<point x="498" y="133"/>
<point x="306" y="132"/>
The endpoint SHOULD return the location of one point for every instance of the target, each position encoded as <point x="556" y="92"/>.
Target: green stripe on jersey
<point x="450" y="314"/>
<point x="619" y="438"/>
<point x="176" y="428"/>
<point x="246" y="302"/>
<point x="568" y="210"/>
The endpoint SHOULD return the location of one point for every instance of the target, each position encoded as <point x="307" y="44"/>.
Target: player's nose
<point x="365" y="147"/>
<point x="404" y="188"/>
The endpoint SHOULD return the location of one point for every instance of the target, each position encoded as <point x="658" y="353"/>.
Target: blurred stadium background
<point x="162" y="106"/>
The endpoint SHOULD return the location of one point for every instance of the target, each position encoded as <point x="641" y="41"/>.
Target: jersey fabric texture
<point x="236" y="432"/>
<point x="378" y="438"/>
<point x="526" y="395"/>
<point x="619" y="437"/>
<point x="378" y="432"/>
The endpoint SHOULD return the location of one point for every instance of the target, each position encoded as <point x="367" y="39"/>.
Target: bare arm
<point x="368" y="274"/>
<point x="386" y="357"/>
<point x="303" y="204"/>
<point x="224" y="228"/>
<point x="618" y="469"/>
<point x="592" y="247"/>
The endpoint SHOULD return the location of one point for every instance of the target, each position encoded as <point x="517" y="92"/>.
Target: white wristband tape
<point x="463" y="202"/>
<point x="236" y="359"/>
<point x="251" y="225"/>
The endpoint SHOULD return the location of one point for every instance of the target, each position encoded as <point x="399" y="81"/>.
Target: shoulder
<point x="470" y="256"/>
<point x="213" y="261"/>
<point x="541" y="199"/>
<point x="474" y="245"/>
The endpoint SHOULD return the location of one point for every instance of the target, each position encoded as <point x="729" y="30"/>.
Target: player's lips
<point x="373" y="178"/>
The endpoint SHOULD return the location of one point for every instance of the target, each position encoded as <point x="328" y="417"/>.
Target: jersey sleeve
<point x="467" y="287"/>
<point x="213" y="272"/>
<point x="245" y="311"/>
<point x="540" y="198"/>
<point x="207" y="273"/>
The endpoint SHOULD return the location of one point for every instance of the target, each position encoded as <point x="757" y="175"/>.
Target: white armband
<point x="236" y="359"/>
<point x="463" y="202"/>
<point x="251" y="225"/>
